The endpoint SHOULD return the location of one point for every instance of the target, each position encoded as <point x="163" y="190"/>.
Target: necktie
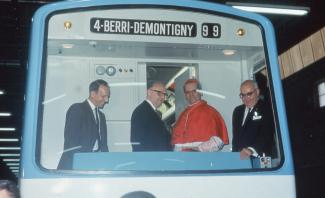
<point x="97" y="128"/>
<point x="97" y="119"/>
<point x="159" y="114"/>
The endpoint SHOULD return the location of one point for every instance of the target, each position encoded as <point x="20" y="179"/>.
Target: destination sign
<point x="143" y="27"/>
<point x="211" y="30"/>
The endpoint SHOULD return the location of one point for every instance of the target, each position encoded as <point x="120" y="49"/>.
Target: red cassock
<point x="198" y="123"/>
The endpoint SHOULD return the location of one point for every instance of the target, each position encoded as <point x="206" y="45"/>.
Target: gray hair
<point x="253" y="82"/>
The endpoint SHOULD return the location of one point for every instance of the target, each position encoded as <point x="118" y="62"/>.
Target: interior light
<point x="228" y="52"/>
<point x="67" y="25"/>
<point x="2" y="92"/>
<point x="7" y="129"/>
<point x="5" y="114"/>
<point x="9" y="139"/>
<point x="9" y="148"/>
<point x="12" y="164"/>
<point x="9" y="154"/>
<point x="271" y="9"/>
<point x="11" y="160"/>
<point x="67" y="45"/>
<point x="241" y="32"/>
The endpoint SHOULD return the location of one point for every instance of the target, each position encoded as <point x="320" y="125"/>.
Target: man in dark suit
<point x="253" y="124"/>
<point x="85" y="126"/>
<point x="148" y="131"/>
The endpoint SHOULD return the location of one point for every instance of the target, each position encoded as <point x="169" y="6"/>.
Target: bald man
<point x="253" y="126"/>
<point x="148" y="131"/>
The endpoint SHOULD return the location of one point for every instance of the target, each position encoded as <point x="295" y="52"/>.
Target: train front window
<point x="146" y="56"/>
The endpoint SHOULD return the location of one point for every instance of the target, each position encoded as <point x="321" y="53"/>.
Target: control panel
<point x="115" y="71"/>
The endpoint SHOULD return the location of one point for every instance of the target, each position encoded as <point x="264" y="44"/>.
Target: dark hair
<point x="10" y="187"/>
<point x="96" y="84"/>
<point x="192" y="80"/>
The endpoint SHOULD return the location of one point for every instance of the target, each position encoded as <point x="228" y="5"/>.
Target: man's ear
<point x="92" y="94"/>
<point x="258" y="91"/>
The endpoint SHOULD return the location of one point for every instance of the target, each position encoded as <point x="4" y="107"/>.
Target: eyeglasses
<point x="160" y="93"/>
<point x="248" y="94"/>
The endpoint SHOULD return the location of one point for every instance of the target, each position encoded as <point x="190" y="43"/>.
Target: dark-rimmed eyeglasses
<point x="248" y="94"/>
<point x="160" y="93"/>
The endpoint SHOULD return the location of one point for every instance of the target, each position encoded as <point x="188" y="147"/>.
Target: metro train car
<point x="129" y="44"/>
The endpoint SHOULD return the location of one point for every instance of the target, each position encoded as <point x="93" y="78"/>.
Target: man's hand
<point x="245" y="153"/>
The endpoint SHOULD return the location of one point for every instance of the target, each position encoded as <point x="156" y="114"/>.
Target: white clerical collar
<point x="194" y="103"/>
<point x="153" y="106"/>
<point x="92" y="106"/>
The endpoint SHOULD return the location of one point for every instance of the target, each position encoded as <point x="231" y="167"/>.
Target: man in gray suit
<point x="85" y="126"/>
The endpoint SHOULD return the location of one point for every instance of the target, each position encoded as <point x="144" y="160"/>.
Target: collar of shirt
<point x="153" y="107"/>
<point x="195" y="103"/>
<point x="249" y="109"/>
<point x="92" y="106"/>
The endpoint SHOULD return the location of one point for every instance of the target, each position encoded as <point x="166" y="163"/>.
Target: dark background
<point x="306" y="121"/>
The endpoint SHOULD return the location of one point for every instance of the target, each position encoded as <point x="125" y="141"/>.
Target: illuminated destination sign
<point x="143" y="27"/>
<point x="152" y="28"/>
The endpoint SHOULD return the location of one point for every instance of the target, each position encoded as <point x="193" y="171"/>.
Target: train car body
<point x="128" y="44"/>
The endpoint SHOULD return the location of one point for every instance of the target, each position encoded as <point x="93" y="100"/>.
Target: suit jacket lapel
<point x="90" y="111"/>
<point x="249" y="116"/>
<point x="91" y="117"/>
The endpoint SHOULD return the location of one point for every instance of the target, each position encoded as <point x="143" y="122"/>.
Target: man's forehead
<point x="103" y="89"/>
<point x="190" y="85"/>
<point x="247" y="86"/>
<point x="158" y="86"/>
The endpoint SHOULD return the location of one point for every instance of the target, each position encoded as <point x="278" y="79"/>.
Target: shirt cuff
<point x="254" y="153"/>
